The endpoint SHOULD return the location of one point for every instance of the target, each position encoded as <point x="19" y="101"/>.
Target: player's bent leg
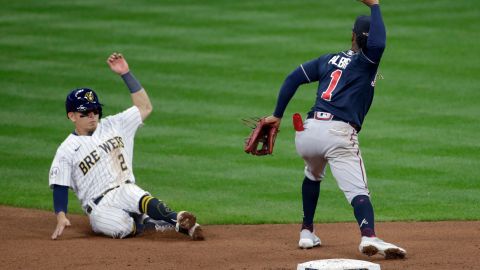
<point x="112" y="222"/>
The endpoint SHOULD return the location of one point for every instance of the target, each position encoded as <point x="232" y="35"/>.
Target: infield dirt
<point x="25" y="244"/>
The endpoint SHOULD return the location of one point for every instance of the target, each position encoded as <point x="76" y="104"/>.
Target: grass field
<point x="207" y="64"/>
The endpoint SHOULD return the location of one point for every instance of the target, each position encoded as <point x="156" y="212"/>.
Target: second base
<point x="338" y="264"/>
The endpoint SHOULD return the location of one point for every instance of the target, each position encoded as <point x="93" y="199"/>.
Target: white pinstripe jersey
<point x="92" y="164"/>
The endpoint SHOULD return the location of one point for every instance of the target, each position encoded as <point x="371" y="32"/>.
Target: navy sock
<point x="157" y="209"/>
<point x="363" y="211"/>
<point x="310" y="194"/>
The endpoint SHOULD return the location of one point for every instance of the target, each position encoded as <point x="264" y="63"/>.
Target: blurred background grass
<point x="208" y="64"/>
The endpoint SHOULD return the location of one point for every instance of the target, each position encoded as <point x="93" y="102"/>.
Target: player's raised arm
<point x="377" y="36"/>
<point x="119" y="65"/>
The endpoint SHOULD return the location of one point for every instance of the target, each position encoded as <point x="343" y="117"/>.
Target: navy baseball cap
<point x="362" y="25"/>
<point x="82" y="100"/>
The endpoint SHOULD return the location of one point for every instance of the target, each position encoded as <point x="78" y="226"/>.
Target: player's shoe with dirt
<point x="160" y="225"/>
<point x="187" y="221"/>
<point x="373" y="245"/>
<point x="196" y="233"/>
<point x="308" y="239"/>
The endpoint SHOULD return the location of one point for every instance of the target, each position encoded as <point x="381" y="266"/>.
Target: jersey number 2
<point x="122" y="162"/>
<point x="327" y="94"/>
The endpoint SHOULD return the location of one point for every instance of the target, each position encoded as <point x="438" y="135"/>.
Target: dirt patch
<point x="25" y="244"/>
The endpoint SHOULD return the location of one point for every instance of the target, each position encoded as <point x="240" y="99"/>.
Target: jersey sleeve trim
<point x="304" y="72"/>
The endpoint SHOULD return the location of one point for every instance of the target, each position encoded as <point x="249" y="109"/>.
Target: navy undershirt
<point x="60" y="198"/>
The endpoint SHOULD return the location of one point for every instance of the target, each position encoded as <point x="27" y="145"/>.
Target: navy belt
<point x="311" y="115"/>
<point x="99" y="198"/>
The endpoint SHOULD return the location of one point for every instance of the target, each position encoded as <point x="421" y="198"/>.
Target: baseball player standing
<point x="345" y="92"/>
<point x="95" y="161"/>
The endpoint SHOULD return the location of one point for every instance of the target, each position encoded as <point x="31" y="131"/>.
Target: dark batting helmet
<point x="82" y="100"/>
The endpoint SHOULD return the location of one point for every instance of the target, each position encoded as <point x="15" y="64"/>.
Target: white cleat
<point x="308" y="239"/>
<point x="373" y="245"/>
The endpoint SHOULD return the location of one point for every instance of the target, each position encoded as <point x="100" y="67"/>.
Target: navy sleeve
<point x="376" y="36"/>
<point x="288" y="89"/>
<point x="60" y="198"/>
<point x="310" y="69"/>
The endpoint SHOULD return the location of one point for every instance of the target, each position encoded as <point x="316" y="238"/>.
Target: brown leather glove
<point x="262" y="138"/>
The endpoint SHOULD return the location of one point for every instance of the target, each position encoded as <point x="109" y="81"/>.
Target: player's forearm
<point x="138" y="94"/>
<point x="60" y="199"/>
<point x="142" y="101"/>
<point x="377" y="36"/>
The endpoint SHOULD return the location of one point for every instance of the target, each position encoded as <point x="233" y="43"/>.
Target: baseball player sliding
<point x="330" y="134"/>
<point x="95" y="161"/>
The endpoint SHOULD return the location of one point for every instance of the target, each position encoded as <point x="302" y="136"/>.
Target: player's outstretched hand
<point x="62" y="222"/>
<point x="117" y="63"/>
<point x="370" y="2"/>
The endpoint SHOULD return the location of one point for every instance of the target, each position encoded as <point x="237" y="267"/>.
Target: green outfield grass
<point x="207" y="64"/>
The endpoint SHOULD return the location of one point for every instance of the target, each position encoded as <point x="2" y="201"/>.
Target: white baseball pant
<point x="335" y="143"/>
<point x="111" y="216"/>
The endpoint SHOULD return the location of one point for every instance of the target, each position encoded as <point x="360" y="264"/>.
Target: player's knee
<point x="314" y="176"/>
<point x="124" y="230"/>
<point x="351" y="196"/>
<point x="360" y="199"/>
<point x="115" y="229"/>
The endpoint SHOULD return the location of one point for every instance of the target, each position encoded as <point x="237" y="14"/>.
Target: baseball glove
<point x="262" y="138"/>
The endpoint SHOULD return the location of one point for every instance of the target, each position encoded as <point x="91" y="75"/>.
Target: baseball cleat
<point x="160" y="225"/>
<point x="185" y="220"/>
<point x="186" y="223"/>
<point x="373" y="245"/>
<point x="308" y="239"/>
<point x="196" y="233"/>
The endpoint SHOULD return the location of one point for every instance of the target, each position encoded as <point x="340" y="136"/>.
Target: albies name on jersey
<point x="340" y="61"/>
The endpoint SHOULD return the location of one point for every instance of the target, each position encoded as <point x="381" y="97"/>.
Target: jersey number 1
<point x="327" y="94"/>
